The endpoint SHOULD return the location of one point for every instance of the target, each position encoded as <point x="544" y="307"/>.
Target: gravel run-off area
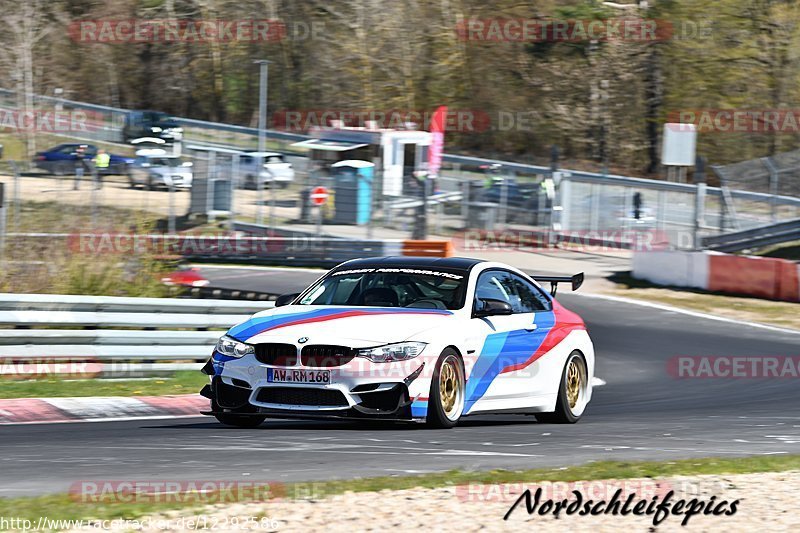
<point x="766" y="502"/>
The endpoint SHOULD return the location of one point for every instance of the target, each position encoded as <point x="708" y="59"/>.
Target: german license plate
<point x="290" y="375"/>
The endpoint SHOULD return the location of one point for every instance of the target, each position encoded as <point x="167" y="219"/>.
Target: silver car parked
<point x="276" y="170"/>
<point x="156" y="169"/>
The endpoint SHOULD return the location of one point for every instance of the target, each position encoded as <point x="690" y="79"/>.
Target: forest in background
<point x="602" y="102"/>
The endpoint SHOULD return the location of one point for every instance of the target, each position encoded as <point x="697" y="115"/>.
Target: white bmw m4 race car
<point x="407" y="338"/>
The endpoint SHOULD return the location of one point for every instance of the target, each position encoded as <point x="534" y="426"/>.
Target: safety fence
<point x="470" y="193"/>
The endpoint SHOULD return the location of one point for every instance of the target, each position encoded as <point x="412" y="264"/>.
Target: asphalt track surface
<point x="642" y="413"/>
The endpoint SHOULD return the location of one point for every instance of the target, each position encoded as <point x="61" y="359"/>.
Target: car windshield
<point x="390" y="287"/>
<point x="165" y="162"/>
<point x="159" y="118"/>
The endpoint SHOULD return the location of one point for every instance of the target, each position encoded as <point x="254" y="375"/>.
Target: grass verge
<point x="65" y="507"/>
<point x="781" y="314"/>
<point x="183" y="382"/>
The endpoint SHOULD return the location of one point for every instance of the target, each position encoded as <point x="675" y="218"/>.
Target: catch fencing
<point x="470" y="193"/>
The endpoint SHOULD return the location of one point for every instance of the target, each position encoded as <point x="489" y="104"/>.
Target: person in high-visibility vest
<point x="101" y="162"/>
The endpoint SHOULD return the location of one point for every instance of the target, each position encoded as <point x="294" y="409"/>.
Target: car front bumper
<point x="357" y="390"/>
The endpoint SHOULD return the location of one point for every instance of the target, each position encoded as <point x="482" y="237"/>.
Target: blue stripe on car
<point x="218" y="361"/>
<point x="501" y="350"/>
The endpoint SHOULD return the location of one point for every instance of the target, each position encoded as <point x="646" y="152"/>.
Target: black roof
<point x="450" y="263"/>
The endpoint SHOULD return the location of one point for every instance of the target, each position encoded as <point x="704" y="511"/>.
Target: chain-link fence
<point x="219" y="190"/>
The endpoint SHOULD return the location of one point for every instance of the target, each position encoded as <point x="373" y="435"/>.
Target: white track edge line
<point x="664" y="307"/>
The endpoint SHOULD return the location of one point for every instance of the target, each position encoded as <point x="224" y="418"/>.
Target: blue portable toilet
<point x="353" y="191"/>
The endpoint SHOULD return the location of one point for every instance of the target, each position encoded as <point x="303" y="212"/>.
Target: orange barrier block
<point x="775" y="279"/>
<point x="789" y="284"/>
<point x="428" y="248"/>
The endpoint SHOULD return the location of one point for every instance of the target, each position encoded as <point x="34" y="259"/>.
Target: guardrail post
<point x="95" y="185"/>
<point x="16" y="193"/>
<point x="171" y="229"/>
<point x="699" y="201"/>
<point x="465" y="200"/>
<point x="503" y="215"/>
<point x="234" y="172"/>
<point x="773" y="187"/>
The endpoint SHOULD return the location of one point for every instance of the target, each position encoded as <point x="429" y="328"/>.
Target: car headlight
<point x="392" y="352"/>
<point x="233" y="348"/>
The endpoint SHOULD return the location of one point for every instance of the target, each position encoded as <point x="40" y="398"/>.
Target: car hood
<point x="170" y="171"/>
<point x="364" y="326"/>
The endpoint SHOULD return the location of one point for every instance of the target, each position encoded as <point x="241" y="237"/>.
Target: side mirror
<point x="286" y="299"/>
<point x="492" y="307"/>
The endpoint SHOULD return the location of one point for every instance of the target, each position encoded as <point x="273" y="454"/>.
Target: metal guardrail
<point x="754" y="237"/>
<point x="298" y="250"/>
<point x="99" y="304"/>
<point x="163" y="327"/>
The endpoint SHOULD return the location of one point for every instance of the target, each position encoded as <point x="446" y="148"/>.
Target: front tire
<point x="448" y="391"/>
<point x="240" y="421"/>
<point x="573" y="392"/>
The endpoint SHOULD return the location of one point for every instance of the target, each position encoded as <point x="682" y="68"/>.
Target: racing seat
<point x="379" y="297"/>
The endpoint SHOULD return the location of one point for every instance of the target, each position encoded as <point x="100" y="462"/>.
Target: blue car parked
<point x="62" y="159"/>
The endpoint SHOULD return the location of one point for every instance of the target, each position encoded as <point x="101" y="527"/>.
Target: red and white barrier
<point x="763" y="277"/>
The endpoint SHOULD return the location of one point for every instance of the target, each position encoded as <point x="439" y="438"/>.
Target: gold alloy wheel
<point x="574" y="381"/>
<point x="450" y="392"/>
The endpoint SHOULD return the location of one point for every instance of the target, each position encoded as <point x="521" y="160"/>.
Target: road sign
<point x="319" y="195"/>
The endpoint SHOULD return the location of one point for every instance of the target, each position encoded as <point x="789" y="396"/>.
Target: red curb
<point x="30" y="410"/>
<point x="184" y="404"/>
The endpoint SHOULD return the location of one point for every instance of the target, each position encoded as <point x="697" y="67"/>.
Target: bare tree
<point x="23" y="27"/>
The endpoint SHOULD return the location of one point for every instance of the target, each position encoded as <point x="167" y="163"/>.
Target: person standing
<point x="80" y="165"/>
<point x="101" y="163"/>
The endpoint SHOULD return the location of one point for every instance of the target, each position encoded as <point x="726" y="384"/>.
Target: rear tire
<point x="572" y="392"/>
<point x="448" y="391"/>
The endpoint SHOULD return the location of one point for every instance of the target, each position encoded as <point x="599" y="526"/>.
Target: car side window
<point x="523" y="296"/>
<point x="531" y="298"/>
<point x="491" y="286"/>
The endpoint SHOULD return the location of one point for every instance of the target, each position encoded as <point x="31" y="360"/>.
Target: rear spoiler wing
<point x="576" y="280"/>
